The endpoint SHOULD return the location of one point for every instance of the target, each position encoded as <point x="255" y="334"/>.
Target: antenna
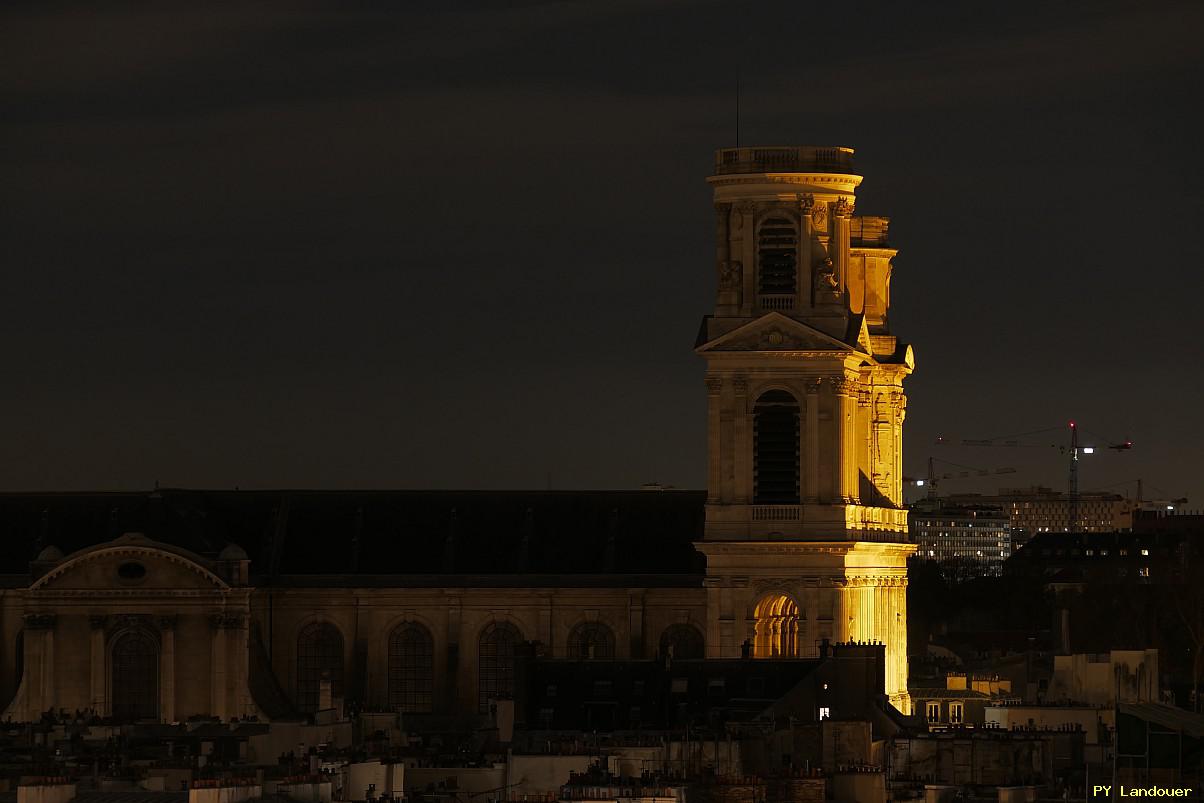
<point x="737" y="105"/>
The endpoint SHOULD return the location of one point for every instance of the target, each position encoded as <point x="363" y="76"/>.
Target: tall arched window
<point x="682" y="641"/>
<point x="319" y="655"/>
<point x="776" y="449"/>
<point x="776" y="628"/>
<point x="495" y="663"/>
<point x="591" y="640"/>
<point x="411" y="668"/>
<point x="134" y="674"/>
<point x="777" y="253"/>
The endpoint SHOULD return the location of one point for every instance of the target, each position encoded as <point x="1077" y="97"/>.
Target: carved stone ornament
<point x="225" y="621"/>
<point x="819" y="216"/>
<point x="777" y="339"/>
<point x="842" y="208"/>
<point x="97" y="621"/>
<point x="166" y="622"/>
<point x="746" y="208"/>
<point x="714" y="385"/>
<point x="39" y="621"/>
<point x="805" y="202"/>
<point x="730" y="274"/>
<point x="825" y="275"/>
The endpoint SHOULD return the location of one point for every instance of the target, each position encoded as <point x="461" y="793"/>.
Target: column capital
<point x="166" y="622"/>
<point x="714" y="385"/>
<point x="843" y="208"/>
<point x="97" y="621"/>
<point x="740" y="384"/>
<point x="40" y="621"/>
<point x="806" y="202"/>
<point x="746" y="208"/>
<point x="225" y="621"/>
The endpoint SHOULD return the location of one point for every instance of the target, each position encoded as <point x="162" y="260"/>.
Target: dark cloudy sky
<point x="401" y="244"/>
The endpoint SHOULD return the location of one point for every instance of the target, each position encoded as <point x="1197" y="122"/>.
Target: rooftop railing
<point x="783" y="160"/>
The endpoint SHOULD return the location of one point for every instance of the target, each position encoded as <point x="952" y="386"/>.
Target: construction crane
<point x="932" y="480"/>
<point x="1073" y="450"/>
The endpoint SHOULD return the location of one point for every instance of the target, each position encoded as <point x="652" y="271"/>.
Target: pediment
<point x="131" y="564"/>
<point x="776" y="332"/>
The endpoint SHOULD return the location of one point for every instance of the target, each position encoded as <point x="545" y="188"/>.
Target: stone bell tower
<point x="806" y="534"/>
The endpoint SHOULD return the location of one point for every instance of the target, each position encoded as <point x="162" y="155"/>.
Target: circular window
<point x="131" y="572"/>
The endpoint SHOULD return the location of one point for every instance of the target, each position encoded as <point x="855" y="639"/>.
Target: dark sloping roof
<point x="378" y="532"/>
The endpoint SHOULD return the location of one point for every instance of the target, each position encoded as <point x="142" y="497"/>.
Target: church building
<point x="177" y="603"/>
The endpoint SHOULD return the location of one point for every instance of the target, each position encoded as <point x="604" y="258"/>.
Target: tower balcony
<point x="809" y="521"/>
<point x="804" y="159"/>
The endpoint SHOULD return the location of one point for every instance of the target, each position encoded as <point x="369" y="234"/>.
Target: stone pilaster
<point x="714" y="449"/>
<point x="167" y="668"/>
<point x="743" y="446"/>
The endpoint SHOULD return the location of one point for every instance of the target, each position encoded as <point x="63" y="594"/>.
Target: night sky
<point x="392" y="244"/>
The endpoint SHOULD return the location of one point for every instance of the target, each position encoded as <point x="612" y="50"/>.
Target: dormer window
<point x="777" y="258"/>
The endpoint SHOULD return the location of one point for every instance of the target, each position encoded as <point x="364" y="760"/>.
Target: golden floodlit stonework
<point x="806" y="535"/>
<point x="418" y="602"/>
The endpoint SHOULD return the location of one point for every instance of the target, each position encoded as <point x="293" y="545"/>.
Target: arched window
<point x="495" y="663"/>
<point x="134" y="673"/>
<point x="776" y="628"/>
<point x="591" y="640"/>
<point x="776" y="449"/>
<point x="319" y="655"/>
<point x="777" y="253"/>
<point x="411" y="668"/>
<point x="682" y="641"/>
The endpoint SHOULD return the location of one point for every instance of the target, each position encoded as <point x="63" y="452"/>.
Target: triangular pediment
<point x="777" y="332"/>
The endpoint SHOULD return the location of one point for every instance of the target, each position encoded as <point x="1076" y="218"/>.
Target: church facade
<point x="177" y="603"/>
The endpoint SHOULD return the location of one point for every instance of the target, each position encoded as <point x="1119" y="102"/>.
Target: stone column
<point x="743" y="445"/>
<point x="811" y="446"/>
<point x="714" y="638"/>
<point x="842" y="211"/>
<point x="841" y="610"/>
<point x="217" y="667"/>
<point x="635" y="625"/>
<point x="714" y="452"/>
<point x="39" y="646"/>
<point x="805" y="261"/>
<point x="167" y="668"/>
<point x="846" y="455"/>
<point x="748" y="257"/>
<point x="452" y="673"/>
<point x="97" y="693"/>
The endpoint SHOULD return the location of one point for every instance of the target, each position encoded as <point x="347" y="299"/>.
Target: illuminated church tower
<point x="806" y="534"/>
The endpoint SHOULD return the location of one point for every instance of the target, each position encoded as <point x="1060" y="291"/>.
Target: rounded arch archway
<point x="776" y="629"/>
<point x="134" y="676"/>
<point x="591" y="640"/>
<point x="495" y="662"/>
<point x="411" y="668"/>
<point x="682" y="641"/>
<point x="319" y="657"/>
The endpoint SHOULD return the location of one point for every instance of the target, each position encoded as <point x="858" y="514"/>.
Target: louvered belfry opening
<point x="777" y="256"/>
<point x="776" y="449"/>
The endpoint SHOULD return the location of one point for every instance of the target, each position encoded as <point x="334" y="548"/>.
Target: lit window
<point x="1145" y="553"/>
<point x="933" y="711"/>
<point x="825" y="713"/>
<point x="1144" y="571"/>
<point x="955" y="713"/>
